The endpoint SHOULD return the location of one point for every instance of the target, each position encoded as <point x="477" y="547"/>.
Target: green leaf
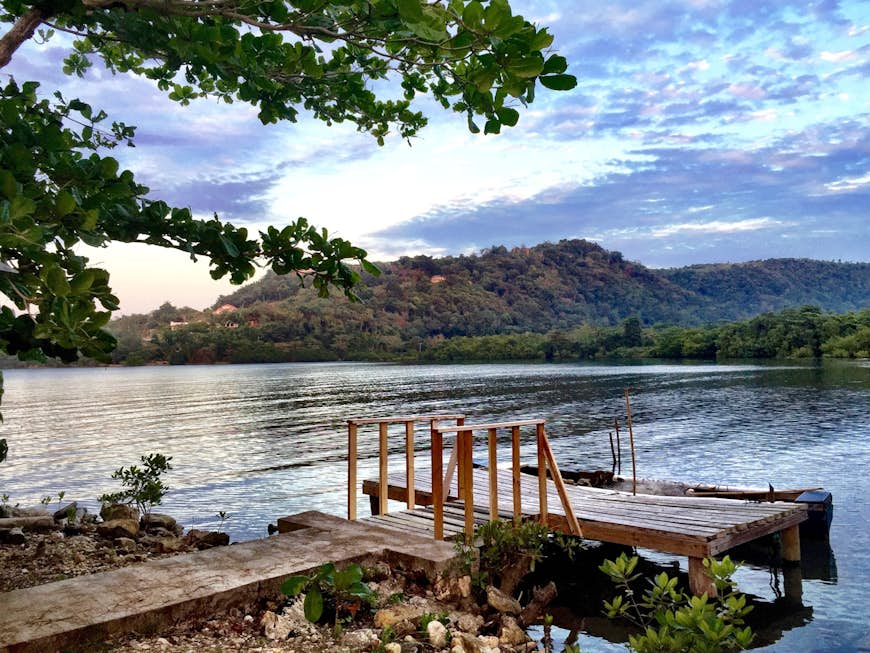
<point x="492" y="126"/>
<point x="56" y="281"/>
<point x="473" y="14"/>
<point x="313" y="604"/>
<point x="526" y="67"/>
<point x="64" y="204"/>
<point x="410" y="11"/>
<point x="293" y="585"/>
<point x="508" y="116"/>
<point x="555" y="64"/>
<point x="559" y="82"/>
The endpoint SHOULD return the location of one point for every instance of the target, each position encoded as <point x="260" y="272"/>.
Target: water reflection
<point x="259" y="442"/>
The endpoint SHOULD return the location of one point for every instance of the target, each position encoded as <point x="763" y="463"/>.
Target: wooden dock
<point x="689" y="526"/>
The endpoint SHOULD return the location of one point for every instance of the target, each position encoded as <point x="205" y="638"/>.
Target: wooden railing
<point x="465" y="480"/>
<point x="383" y="455"/>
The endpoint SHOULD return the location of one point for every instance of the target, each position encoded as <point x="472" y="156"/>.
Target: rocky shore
<point x="409" y="614"/>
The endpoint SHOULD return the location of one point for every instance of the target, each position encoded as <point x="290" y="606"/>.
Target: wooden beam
<point x="359" y="421"/>
<point x="791" y="544"/>
<point x="516" y="478"/>
<point x="409" y="464"/>
<point x="560" y="488"/>
<point x="700" y="581"/>
<point x="437" y="487"/>
<point x="383" y="459"/>
<point x="542" y="474"/>
<point x="493" y="475"/>
<point x="485" y="427"/>
<point x="466" y="468"/>
<point x="351" y="471"/>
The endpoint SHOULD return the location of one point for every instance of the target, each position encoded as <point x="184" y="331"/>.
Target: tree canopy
<point x="59" y="187"/>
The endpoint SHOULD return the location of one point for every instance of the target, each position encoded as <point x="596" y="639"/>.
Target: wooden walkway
<point x="689" y="526"/>
<point x="466" y="496"/>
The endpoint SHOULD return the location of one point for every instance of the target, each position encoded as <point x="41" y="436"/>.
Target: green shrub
<point x="143" y="486"/>
<point x="673" y="622"/>
<point x="326" y="589"/>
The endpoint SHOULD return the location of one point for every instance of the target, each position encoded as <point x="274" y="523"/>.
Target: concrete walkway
<point x="74" y="614"/>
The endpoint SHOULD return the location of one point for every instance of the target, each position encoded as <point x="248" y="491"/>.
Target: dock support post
<point x="700" y="581"/>
<point x="791" y="570"/>
<point x="383" y="484"/>
<point x="351" y="471"/>
<point x="542" y="474"/>
<point x="437" y="482"/>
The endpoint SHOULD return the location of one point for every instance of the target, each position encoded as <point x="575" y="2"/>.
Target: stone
<point x="118" y="528"/>
<point x="112" y="511"/>
<point x="12" y="536"/>
<point x="466" y="643"/>
<point x="511" y="634"/>
<point x="392" y="647"/>
<point x="470" y="623"/>
<point x="464" y="585"/>
<point x="64" y="512"/>
<point x="501" y="602"/>
<point x="437" y="634"/>
<point x="379" y="571"/>
<point x="360" y="640"/>
<point x="489" y="644"/>
<point x="404" y="627"/>
<point x="206" y="539"/>
<point x="30" y="523"/>
<point x="410" y="645"/>
<point x="161" y="544"/>
<point x="275" y="626"/>
<point x="152" y="520"/>
<point x="396" y="613"/>
<point x="124" y="544"/>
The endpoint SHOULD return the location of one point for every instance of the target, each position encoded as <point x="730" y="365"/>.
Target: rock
<point x="65" y="511"/>
<point x="501" y="602"/>
<point x="124" y="544"/>
<point x="392" y="647"/>
<point x="33" y="523"/>
<point x="437" y="634"/>
<point x="72" y="529"/>
<point x="206" y="539"/>
<point x="164" y="544"/>
<point x="470" y="623"/>
<point x="154" y="520"/>
<point x="489" y="644"/>
<point x="12" y="536"/>
<point x="410" y="645"/>
<point x="396" y="613"/>
<point x="377" y="572"/>
<point x="511" y="634"/>
<point x="275" y="626"/>
<point x="158" y="531"/>
<point x="464" y="585"/>
<point x="451" y="588"/>
<point x="404" y="627"/>
<point x="113" y="511"/>
<point x="466" y="643"/>
<point x="118" y="528"/>
<point x="360" y="640"/>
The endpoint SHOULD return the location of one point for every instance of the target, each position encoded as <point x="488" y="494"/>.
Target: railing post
<point x="515" y="456"/>
<point x="383" y="459"/>
<point x="351" y="471"/>
<point x="493" y="476"/>
<point x="466" y="469"/>
<point x="573" y="524"/>
<point x="409" y="465"/>
<point x="437" y="484"/>
<point x="542" y="474"/>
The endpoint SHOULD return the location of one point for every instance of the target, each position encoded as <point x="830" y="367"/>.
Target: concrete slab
<point x="72" y="615"/>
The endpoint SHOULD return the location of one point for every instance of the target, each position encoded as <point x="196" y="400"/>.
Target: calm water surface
<point x="263" y="441"/>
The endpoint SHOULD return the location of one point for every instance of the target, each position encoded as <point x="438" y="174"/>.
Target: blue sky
<point x="700" y="131"/>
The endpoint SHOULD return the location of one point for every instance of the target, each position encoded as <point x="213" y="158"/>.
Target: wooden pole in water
<point x="612" y="452"/>
<point x="618" y="446"/>
<point x="631" y="439"/>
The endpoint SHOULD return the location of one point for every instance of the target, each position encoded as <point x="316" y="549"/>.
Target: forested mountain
<point x="420" y="301"/>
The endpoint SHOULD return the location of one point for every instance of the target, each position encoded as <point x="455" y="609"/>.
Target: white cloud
<point x="848" y="184"/>
<point x="716" y="227"/>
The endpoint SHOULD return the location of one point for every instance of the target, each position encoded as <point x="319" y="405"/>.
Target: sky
<point x="700" y="131"/>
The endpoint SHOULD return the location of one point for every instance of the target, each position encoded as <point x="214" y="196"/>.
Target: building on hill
<point x="225" y="308"/>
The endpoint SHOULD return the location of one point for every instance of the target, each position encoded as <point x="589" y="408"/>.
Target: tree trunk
<point x="543" y="596"/>
<point x="20" y="32"/>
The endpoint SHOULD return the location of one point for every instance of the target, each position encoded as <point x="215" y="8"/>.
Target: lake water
<point x="262" y="441"/>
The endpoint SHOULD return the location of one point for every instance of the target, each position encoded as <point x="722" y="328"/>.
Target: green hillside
<point x="418" y="302"/>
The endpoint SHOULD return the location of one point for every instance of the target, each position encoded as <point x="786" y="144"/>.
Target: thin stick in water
<point x="631" y="439"/>
<point x="618" y="447"/>
<point x="612" y="452"/>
